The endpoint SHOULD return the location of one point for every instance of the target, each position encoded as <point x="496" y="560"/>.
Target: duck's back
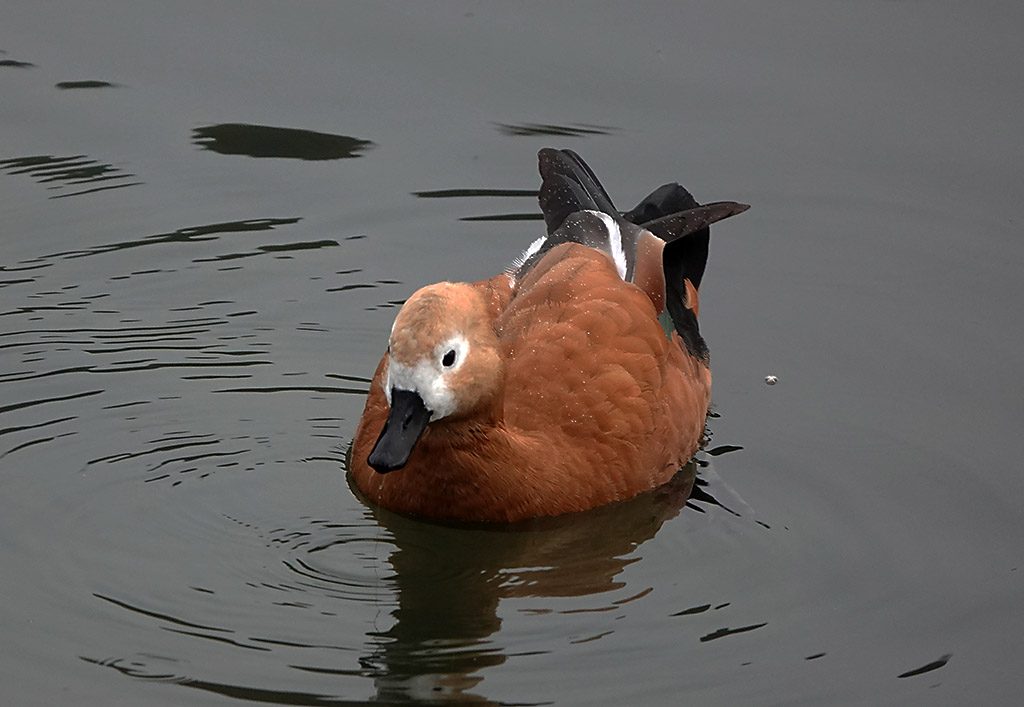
<point x="592" y="374"/>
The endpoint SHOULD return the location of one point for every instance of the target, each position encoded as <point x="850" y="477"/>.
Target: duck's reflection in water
<point x="450" y="579"/>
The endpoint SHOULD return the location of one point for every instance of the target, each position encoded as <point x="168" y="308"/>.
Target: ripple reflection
<point x="15" y="64"/>
<point x="533" y="215"/>
<point x="69" y="172"/>
<point x="192" y="234"/>
<point x="137" y="669"/>
<point x="90" y="83"/>
<point x="552" y="130"/>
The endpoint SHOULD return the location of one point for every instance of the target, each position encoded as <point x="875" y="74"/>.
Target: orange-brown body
<point x="589" y="402"/>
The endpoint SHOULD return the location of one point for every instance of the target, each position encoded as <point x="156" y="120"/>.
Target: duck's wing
<point x="661" y="245"/>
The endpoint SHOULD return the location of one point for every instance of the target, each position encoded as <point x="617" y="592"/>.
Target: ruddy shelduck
<point x="576" y="378"/>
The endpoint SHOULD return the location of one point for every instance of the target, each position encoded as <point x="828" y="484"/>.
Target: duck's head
<point x="443" y="366"/>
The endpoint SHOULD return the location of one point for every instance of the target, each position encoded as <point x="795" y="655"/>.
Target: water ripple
<point x="15" y="64"/>
<point x="192" y="234"/>
<point x="533" y="215"/>
<point x="88" y="83"/>
<point x="140" y="669"/>
<point x="552" y="130"/>
<point x="69" y="172"/>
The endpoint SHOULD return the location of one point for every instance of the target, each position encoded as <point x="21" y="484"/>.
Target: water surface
<point x="211" y="213"/>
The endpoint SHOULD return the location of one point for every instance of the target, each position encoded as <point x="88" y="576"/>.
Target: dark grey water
<point x="211" y="211"/>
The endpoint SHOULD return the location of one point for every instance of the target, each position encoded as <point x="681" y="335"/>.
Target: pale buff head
<point x="443" y="348"/>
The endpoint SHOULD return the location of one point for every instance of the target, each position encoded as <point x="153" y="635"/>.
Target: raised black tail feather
<point x="569" y="185"/>
<point x="672" y="214"/>
<point x="666" y="199"/>
<point x="687" y="235"/>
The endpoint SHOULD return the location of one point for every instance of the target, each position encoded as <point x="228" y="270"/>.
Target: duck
<point x="575" y="378"/>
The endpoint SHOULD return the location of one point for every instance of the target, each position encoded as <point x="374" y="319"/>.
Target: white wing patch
<point x="614" y="242"/>
<point x="593" y="229"/>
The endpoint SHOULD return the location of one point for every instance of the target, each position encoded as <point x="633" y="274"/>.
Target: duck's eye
<point x="449" y="359"/>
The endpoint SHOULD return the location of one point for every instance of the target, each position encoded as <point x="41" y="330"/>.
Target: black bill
<point x="403" y="428"/>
